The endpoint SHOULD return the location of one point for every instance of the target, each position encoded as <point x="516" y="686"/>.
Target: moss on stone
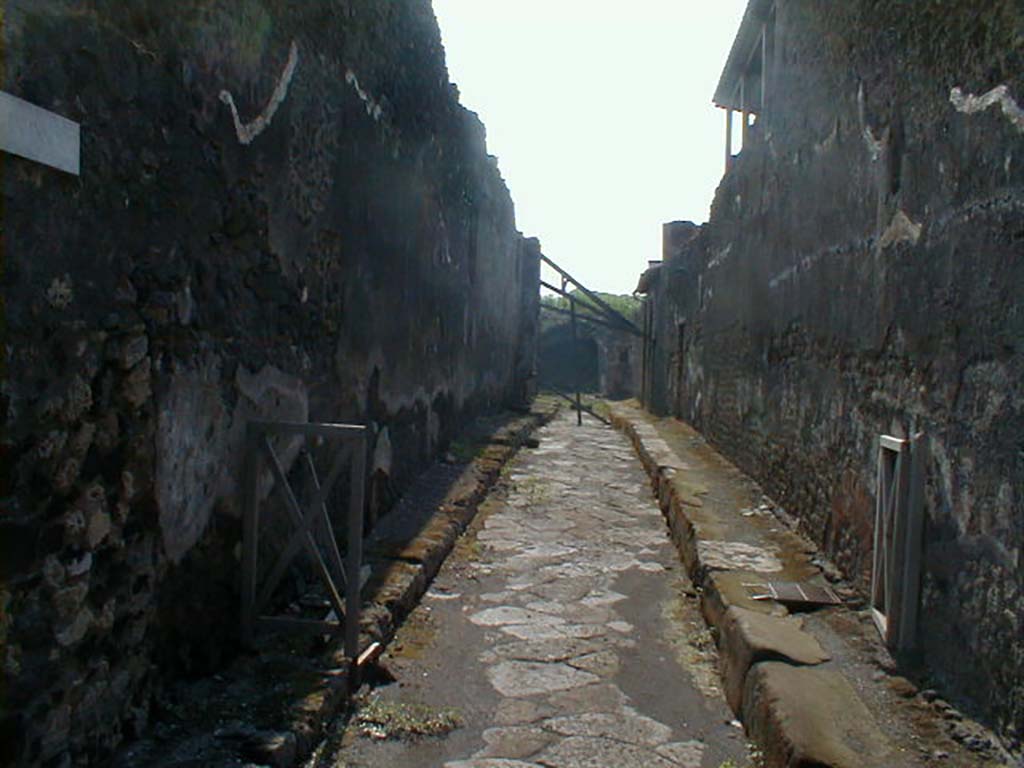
<point x="397" y="720"/>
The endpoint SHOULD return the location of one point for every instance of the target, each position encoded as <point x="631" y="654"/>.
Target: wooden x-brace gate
<point x="312" y="530"/>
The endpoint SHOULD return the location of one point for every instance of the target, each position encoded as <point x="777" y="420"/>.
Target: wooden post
<point x="643" y="359"/>
<point x="746" y="110"/>
<point x="893" y="531"/>
<point x="728" y="139"/>
<point x="575" y="352"/>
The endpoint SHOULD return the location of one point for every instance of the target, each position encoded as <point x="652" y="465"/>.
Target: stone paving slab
<point x="554" y="630"/>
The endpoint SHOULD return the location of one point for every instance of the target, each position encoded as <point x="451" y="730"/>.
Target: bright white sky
<point x="600" y="114"/>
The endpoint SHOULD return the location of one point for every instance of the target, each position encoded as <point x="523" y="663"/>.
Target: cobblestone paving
<point x="563" y="636"/>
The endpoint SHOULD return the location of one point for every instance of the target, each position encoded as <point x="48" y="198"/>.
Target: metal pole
<point x="575" y="349"/>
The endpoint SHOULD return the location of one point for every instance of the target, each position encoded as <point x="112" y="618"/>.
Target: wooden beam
<point x="308" y="543"/>
<point x="370" y="655"/>
<point x="581" y="406"/>
<point x="331" y="543"/>
<point x="298" y="537"/>
<point x="746" y="111"/>
<point x="565" y="294"/>
<point x="588" y="293"/>
<point x="728" y="139"/>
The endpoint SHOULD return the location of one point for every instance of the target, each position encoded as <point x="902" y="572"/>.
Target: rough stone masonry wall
<point x="862" y="272"/>
<point x="283" y="213"/>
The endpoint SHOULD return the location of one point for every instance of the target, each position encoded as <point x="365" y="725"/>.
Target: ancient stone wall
<point x="619" y="364"/>
<point x="283" y="212"/>
<point x="602" y="359"/>
<point x="862" y="273"/>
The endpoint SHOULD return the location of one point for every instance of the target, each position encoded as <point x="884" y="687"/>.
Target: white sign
<point x="36" y="134"/>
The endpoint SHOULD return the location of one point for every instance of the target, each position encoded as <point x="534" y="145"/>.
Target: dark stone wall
<point x="619" y="356"/>
<point x="601" y="359"/>
<point x="862" y="273"/>
<point x="568" y="364"/>
<point x="356" y="260"/>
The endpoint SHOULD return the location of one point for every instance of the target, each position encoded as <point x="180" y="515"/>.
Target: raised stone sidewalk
<point x="817" y="689"/>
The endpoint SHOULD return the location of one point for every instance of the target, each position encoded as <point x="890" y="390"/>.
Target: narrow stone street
<point x="561" y="632"/>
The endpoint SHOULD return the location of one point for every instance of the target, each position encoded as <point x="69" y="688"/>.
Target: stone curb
<point x="798" y="712"/>
<point x="788" y="709"/>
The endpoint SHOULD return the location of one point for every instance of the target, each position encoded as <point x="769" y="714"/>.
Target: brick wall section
<point x="816" y="315"/>
<point x="356" y="260"/>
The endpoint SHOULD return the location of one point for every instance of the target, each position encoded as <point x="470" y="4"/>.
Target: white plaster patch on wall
<point x="373" y="109"/>
<point x="60" y="293"/>
<point x="874" y="145"/>
<point x="900" y="230"/>
<point x="190" y="443"/>
<point x="719" y="258"/>
<point x="802" y="265"/>
<point x="781" y="277"/>
<point x="246" y="132"/>
<point x="383" y="455"/>
<point x="970" y="104"/>
<point x="829" y="141"/>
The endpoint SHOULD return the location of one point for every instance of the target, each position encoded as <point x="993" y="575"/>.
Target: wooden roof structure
<point x="741" y="84"/>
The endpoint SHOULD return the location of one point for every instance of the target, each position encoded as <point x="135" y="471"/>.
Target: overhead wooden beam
<point x="728" y="138"/>
<point x="590" y="295"/>
<point x="603" y="318"/>
<point x="565" y="294"/>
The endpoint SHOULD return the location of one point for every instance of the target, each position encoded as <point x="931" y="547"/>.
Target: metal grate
<point x="793" y="593"/>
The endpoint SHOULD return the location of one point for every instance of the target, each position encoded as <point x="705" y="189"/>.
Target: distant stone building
<point x="862" y="273"/>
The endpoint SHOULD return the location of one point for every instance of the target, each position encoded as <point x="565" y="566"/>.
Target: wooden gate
<point x="311" y="530"/>
<point x="896" y="560"/>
